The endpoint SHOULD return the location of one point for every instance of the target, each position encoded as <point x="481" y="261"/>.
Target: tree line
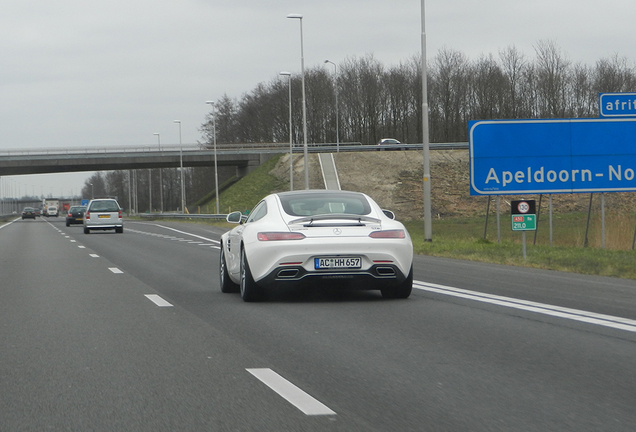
<point x="377" y="101"/>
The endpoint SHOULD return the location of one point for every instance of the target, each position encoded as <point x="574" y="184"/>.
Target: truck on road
<point x="50" y="207"/>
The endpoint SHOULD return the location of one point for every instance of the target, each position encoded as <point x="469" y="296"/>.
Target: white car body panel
<point x="328" y="236"/>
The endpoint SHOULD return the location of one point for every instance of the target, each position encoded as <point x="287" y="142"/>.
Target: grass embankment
<point x="463" y="238"/>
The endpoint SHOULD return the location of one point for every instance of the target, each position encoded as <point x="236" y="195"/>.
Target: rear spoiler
<point x="309" y="220"/>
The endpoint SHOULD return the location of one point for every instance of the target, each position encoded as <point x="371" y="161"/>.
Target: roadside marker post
<point x="524" y="218"/>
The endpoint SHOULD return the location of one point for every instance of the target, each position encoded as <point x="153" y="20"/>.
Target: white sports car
<point x="323" y="236"/>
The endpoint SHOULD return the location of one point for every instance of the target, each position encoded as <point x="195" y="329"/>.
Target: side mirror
<point x="389" y="214"/>
<point x="234" y="217"/>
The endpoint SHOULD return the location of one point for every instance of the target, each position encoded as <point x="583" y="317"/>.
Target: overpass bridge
<point x="245" y="157"/>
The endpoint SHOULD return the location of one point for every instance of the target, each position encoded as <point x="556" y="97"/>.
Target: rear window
<point x="105" y="206"/>
<point x="325" y="203"/>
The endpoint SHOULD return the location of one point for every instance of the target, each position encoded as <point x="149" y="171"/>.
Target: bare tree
<point x="552" y="72"/>
<point x="513" y="66"/>
<point x="488" y="89"/>
<point x="448" y="102"/>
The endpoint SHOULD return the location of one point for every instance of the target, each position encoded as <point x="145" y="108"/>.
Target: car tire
<point x="68" y="224"/>
<point x="250" y="291"/>
<point x="227" y="286"/>
<point x="119" y="230"/>
<point x="86" y="231"/>
<point x="401" y="291"/>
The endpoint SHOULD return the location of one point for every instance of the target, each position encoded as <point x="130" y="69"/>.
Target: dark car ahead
<point x="28" y="212"/>
<point x="75" y="215"/>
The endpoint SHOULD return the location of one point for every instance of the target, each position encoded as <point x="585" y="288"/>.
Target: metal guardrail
<point x="182" y="216"/>
<point x="228" y="148"/>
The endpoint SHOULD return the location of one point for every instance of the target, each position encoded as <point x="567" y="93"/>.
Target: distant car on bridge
<point x="390" y="142"/>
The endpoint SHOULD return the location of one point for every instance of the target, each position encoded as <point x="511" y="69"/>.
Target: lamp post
<point x="335" y="66"/>
<point x="92" y="192"/>
<point x="299" y="17"/>
<point x="149" y="190"/>
<point x="160" y="176"/>
<point x="216" y="171"/>
<point x="291" y="145"/>
<point x="428" y="229"/>
<point x="181" y="169"/>
<point x="129" y="195"/>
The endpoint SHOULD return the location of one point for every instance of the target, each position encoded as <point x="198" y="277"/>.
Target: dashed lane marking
<point x="288" y="391"/>
<point x="158" y="300"/>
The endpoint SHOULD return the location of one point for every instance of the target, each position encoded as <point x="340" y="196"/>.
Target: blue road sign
<point x="84" y="202"/>
<point x="617" y="104"/>
<point x="552" y="156"/>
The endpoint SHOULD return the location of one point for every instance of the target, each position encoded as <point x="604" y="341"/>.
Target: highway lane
<point x="432" y="362"/>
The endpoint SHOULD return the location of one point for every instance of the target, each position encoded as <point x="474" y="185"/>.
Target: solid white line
<point x="158" y="300"/>
<point x="190" y="234"/>
<point x="290" y="392"/>
<point x="115" y="270"/>
<point x="545" y="309"/>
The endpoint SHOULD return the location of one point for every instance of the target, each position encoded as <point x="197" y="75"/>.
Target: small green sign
<point x="524" y="222"/>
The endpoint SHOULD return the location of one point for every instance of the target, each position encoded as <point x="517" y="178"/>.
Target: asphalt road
<point x="130" y="332"/>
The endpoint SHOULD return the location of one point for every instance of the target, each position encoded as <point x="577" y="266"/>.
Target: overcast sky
<point x="76" y="73"/>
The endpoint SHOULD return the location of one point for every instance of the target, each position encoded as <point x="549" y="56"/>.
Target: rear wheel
<point x="250" y="291"/>
<point x="86" y="231"/>
<point x="402" y="290"/>
<point x="119" y="230"/>
<point x="227" y="286"/>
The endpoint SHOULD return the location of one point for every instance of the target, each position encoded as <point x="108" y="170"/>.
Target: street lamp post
<point x="291" y="145"/>
<point x="428" y="229"/>
<point x="216" y="171"/>
<point x="299" y="17"/>
<point x="149" y="190"/>
<point x="335" y="66"/>
<point x="160" y="176"/>
<point x="181" y="168"/>
<point x="129" y="195"/>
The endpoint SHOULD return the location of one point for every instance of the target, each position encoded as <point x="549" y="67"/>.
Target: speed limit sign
<point x="523" y="207"/>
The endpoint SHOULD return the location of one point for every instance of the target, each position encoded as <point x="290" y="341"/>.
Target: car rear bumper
<point x="376" y="277"/>
<point x="103" y="227"/>
<point x="376" y="256"/>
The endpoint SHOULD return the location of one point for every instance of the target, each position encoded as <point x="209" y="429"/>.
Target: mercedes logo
<point x="337" y="231"/>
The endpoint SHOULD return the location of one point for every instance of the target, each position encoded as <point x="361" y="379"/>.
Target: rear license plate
<point x="337" y="263"/>
<point x="104" y="216"/>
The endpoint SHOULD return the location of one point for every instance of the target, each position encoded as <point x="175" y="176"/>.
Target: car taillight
<point x="398" y="233"/>
<point x="274" y="236"/>
<point x="87" y="215"/>
<point x="119" y="214"/>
